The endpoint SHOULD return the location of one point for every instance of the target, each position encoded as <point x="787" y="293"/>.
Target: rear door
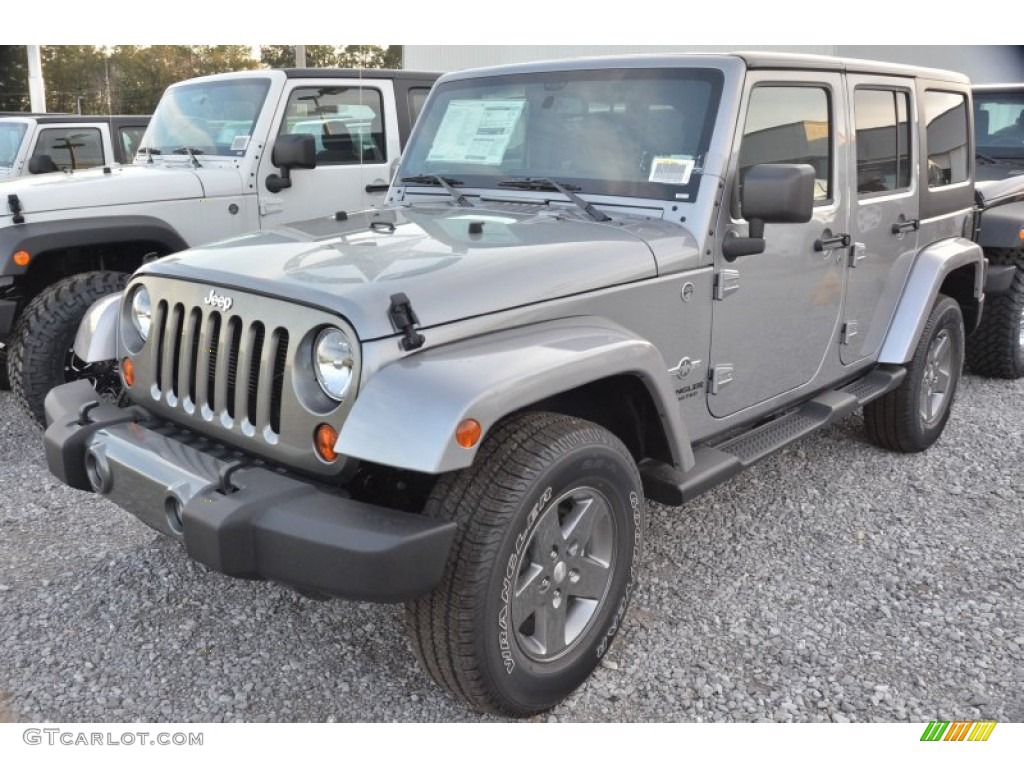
<point x="885" y="218"/>
<point x="353" y="125"/>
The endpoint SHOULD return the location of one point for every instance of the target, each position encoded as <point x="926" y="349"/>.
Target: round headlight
<point x="333" y="361"/>
<point x="142" y="312"/>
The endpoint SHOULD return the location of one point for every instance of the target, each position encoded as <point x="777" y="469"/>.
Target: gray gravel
<point x="832" y="582"/>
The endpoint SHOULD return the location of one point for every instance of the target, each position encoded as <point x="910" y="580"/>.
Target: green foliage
<point x="13" y="79"/>
<point x="129" y="79"/>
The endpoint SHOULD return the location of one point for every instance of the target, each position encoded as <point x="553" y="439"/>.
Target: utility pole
<point x="36" y="86"/>
<point x="300" y="56"/>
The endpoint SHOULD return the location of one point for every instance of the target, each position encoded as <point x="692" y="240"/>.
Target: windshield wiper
<point x="566" y="190"/>
<point x="988" y="159"/>
<point x="446" y="184"/>
<point x="150" y="151"/>
<point x="191" y="152"/>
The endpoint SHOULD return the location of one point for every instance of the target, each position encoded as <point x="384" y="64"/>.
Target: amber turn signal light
<point x="128" y="371"/>
<point x="21" y="258"/>
<point x="323" y="440"/>
<point x="467" y="434"/>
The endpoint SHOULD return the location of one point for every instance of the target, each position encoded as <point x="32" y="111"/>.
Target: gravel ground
<point x="832" y="582"/>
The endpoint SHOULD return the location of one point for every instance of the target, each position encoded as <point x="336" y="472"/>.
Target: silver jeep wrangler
<point x="595" y="282"/>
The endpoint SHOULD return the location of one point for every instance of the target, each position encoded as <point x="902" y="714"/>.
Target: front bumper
<point x="236" y="517"/>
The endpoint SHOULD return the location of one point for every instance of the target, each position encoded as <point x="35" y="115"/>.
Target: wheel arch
<point x="586" y="367"/>
<point x="955" y="267"/>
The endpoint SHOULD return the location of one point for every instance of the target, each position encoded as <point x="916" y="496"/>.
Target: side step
<point x="714" y="465"/>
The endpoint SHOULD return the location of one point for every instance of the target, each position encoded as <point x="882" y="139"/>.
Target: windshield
<point x="999" y="123"/>
<point x="631" y="132"/>
<point x="11" y="135"/>
<point x="215" y="118"/>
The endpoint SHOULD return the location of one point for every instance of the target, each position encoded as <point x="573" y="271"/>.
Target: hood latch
<point x="403" y="319"/>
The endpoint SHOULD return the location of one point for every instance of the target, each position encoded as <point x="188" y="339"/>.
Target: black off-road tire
<point x="896" y="420"/>
<point x="529" y="485"/>
<point x="40" y="352"/>
<point x="995" y="348"/>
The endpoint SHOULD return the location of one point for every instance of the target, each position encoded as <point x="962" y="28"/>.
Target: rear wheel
<point x="912" y="417"/>
<point x="550" y="527"/>
<point x="41" y="354"/>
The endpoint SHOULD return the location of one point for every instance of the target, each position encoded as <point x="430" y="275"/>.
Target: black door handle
<point x="377" y="187"/>
<point x="910" y="225"/>
<point x="828" y="240"/>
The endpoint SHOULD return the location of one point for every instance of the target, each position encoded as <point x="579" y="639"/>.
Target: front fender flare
<point x="96" y="339"/>
<point x="930" y="268"/>
<point x="407" y="413"/>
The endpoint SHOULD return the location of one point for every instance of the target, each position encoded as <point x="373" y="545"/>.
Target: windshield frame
<point x="12" y="126"/>
<point x="416" y="162"/>
<point x="188" y="131"/>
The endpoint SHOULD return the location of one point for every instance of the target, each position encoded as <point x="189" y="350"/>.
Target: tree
<point x="13" y="78"/>
<point x="280" y="56"/>
<point x="371" y="57"/>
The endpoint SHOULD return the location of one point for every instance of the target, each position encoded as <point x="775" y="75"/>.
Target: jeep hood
<point x="451" y="262"/>
<point x="123" y="185"/>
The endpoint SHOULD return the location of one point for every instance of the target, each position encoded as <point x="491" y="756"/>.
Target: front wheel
<point x="41" y="354"/>
<point x="996" y="348"/>
<point x="550" y="530"/>
<point x="911" y="417"/>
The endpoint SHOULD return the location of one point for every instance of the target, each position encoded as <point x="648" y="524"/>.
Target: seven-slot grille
<point x="217" y="365"/>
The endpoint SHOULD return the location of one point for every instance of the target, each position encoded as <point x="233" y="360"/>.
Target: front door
<point x="776" y="313"/>
<point x="355" y="129"/>
<point x="885" y="213"/>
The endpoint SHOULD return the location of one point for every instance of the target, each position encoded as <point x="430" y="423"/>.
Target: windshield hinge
<point x="403" y="318"/>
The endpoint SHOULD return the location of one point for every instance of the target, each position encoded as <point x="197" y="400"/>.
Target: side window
<point x="130" y="138"/>
<point x="883" y="140"/>
<point x="790" y="124"/>
<point x="71" y="148"/>
<point x="946" y="120"/>
<point x="347" y="123"/>
<point x="417" y="97"/>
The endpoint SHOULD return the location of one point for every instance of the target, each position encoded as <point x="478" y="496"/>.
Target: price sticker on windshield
<point x="239" y="143"/>
<point x="671" y="169"/>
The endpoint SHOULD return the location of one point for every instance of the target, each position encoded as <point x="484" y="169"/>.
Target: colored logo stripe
<point x="958" y="730"/>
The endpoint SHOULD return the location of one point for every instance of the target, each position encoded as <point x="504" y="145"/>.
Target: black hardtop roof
<point x="63" y="118"/>
<point x="365" y="74"/>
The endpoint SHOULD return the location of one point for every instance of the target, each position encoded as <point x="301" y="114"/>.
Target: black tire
<point x="5" y="380"/>
<point x="911" y="417"/>
<point x="470" y="633"/>
<point x="40" y="351"/>
<point x="996" y="348"/>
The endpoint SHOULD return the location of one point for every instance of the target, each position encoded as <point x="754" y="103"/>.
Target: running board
<point x="667" y="485"/>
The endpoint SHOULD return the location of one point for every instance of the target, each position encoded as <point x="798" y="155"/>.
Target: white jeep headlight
<point x="142" y="311"/>
<point x="333" y="362"/>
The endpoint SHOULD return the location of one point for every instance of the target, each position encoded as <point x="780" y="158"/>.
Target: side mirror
<point x="296" y="150"/>
<point x="773" y="193"/>
<point x="42" y="164"/>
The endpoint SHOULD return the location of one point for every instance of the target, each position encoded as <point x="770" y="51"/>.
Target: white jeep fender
<point x="407" y="413"/>
<point x="930" y="269"/>
<point x="96" y="339"/>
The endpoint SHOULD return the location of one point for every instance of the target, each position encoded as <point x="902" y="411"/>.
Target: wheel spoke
<point x="549" y="630"/>
<point x="529" y="592"/>
<point x="942" y="379"/>
<point x="547" y="535"/>
<point x="940" y="349"/>
<point x="593" y="578"/>
<point x="580" y="524"/>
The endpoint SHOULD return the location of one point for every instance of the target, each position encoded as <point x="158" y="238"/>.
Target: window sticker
<point x="671" y="169"/>
<point x="239" y="143"/>
<point x="474" y="131"/>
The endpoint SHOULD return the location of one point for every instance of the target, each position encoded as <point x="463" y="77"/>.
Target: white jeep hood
<point x="123" y="185"/>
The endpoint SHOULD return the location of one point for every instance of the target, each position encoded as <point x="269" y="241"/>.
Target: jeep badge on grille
<point x="223" y="303"/>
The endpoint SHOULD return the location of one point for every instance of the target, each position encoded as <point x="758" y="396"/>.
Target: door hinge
<point x="848" y="332"/>
<point x="857" y="253"/>
<point x="727" y="281"/>
<point x="270" y="206"/>
<point x="721" y="375"/>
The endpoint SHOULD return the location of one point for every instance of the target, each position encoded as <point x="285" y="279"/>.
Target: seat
<point x="339" y="147"/>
